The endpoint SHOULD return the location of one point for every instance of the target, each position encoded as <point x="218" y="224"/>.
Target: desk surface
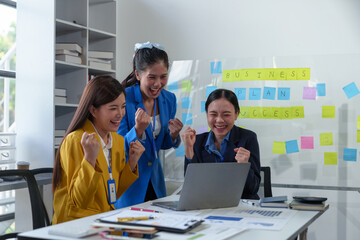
<point x="42" y="179"/>
<point x="297" y="224"/>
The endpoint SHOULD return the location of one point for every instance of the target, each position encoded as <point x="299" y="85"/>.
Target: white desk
<point x="296" y="225"/>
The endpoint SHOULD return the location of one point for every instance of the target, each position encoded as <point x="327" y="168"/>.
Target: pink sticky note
<point x="307" y="142"/>
<point x="309" y="93"/>
<point x="202" y="130"/>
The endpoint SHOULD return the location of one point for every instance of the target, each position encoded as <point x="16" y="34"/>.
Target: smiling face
<point x="152" y="80"/>
<point x="221" y="116"/>
<point x="107" y="117"/>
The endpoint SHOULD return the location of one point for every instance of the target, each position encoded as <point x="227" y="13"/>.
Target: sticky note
<point x="269" y="93"/>
<point x="186" y="86"/>
<point x="292" y="146"/>
<point x="186" y="102"/>
<point x="216" y="67"/>
<point x="330" y="158"/>
<point x="209" y="89"/>
<point x="240" y="93"/>
<point x="180" y="151"/>
<point x="328" y="111"/>
<point x="203" y="106"/>
<point x="307" y="142"/>
<point x="309" y="93"/>
<point x="321" y="89"/>
<point x="254" y="93"/>
<point x="358" y="136"/>
<point x="278" y="147"/>
<point x="187" y="118"/>
<point x="283" y="93"/>
<point x="350" y="154"/>
<point x="173" y="87"/>
<point x="326" y="139"/>
<point x="351" y="90"/>
<point x="358" y="122"/>
<point x="202" y="130"/>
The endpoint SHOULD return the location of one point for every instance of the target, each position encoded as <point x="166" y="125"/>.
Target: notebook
<point x="210" y="185"/>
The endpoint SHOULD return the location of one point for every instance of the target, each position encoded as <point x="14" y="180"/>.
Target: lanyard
<point x="109" y="164"/>
<point x="153" y="130"/>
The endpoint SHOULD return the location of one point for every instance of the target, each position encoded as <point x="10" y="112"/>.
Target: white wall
<point x="208" y="29"/>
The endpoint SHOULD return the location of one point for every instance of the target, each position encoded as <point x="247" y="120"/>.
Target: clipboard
<point x="162" y="221"/>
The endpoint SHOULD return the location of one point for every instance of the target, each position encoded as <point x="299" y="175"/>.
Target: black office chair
<point x="267" y="181"/>
<point x="39" y="214"/>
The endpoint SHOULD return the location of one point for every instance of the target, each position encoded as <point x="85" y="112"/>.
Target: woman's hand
<point x="189" y="137"/>
<point x="175" y="126"/>
<point x="242" y="155"/>
<point x="142" y="121"/>
<point x="135" y="151"/>
<point x="91" y="147"/>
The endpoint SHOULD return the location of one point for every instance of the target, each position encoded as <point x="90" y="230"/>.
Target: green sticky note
<point x="328" y="111"/>
<point x="358" y="122"/>
<point x="330" y="158"/>
<point x="186" y="86"/>
<point x="326" y="139"/>
<point x="279" y="147"/>
<point x="358" y="136"/>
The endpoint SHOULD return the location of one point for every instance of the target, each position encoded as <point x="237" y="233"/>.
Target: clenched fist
<point x="91" y="147"/>
<point x="135" y="151"/>
<point x="189" y="137"/>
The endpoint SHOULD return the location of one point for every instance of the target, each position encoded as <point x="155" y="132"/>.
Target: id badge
<point x="112" y="191"/>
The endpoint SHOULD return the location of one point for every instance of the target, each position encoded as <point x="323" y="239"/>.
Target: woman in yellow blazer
<point x="90" y="171"/>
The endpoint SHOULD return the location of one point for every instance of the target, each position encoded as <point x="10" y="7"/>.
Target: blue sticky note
<point x="203" y="106"/>
<point x="283" y="93"/>
<point x="240" y="93"/>
<point x="173" y="87"/>
<point x="216" y="67"/>
<point x="350" y="154"/>
<point x="291" y="146"/>
<point x="186" y="103"/>
<point x="269" y="93"/>
<point x="351" y="90"/>
<point x="187" y="118"/>
<point x="320" y="89"/>
<point x="180" y="151"/>
<point x="209" y="89"/>
<point x="254" y="93"/>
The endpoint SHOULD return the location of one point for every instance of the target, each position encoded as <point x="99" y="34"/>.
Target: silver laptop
<point x="210" y="185"/>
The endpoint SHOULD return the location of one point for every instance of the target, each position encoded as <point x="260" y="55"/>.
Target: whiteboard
<point x="312" y="164"/>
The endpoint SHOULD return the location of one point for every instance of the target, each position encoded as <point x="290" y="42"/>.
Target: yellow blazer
<point x="83" y="190"/>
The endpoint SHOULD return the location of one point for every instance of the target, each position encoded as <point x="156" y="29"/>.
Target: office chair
<point x="267" y="181"/>
<point x="38" y="210"/>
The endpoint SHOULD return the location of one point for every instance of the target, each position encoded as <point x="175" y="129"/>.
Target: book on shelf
<point x="100" y="54"/>
<point x="104" y="66"/>
<point x="99" y="60"/>
<point x="278" y="201"/>
<point x="307" y="206"/>
<point x="59" y="100"/>
<point x="69" y="58"/>
<point x="59" y="132"/>
<point x="67" y="52"/>
<point x="60" y="92"/>
<point x="57" y="141"/>
<point x="69" y="46"/>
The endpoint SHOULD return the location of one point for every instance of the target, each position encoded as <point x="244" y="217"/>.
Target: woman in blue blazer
<point x="225" y="142"/>
<point x="150" y="118"/>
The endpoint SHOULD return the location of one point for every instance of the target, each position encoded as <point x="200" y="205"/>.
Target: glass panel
<point x="7" y="37"/>
<point x="7" y="104"/>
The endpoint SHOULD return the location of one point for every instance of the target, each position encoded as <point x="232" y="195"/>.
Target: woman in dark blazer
<point x="225" y="142"/>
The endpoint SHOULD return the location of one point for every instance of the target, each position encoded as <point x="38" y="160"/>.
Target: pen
<point x="248" y="202"/>
<point x="127" y="219"/>
<point x="144" y="210"/>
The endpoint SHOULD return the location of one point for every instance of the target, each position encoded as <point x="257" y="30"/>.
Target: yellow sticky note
<point x="186" y="86"/>
<point x="358" y="136"/>
<point x="358" y="122"/>
<point x="326" y="139"/>
<point x="278" y="147"/>
<point x="298" y="112"/>
<point x="244" y="112"/>
<point x="328" y="111"/>
<point x="330" y="158"/>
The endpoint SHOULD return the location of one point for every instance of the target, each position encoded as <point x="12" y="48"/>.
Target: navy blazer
<point x="239" y="137"/>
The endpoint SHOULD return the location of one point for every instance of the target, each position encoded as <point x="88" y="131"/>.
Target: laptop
<point x="210" y="185"/>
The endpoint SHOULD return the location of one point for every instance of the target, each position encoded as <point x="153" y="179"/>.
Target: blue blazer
<point x="239" y="137"/>
<point x="149" y="166"/>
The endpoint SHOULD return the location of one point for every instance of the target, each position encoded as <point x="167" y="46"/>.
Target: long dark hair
<point x="98" y="91"/>
<point x="143" y="59"/>
<point x="223" y="93"/>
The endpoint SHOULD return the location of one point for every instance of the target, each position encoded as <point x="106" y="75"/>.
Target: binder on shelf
<point x="60" y="92"/>
<point x="104" y="66"/>
<point x="100" y="54"/>
<point x="67" y="52"/>
<point x="69" y="46"/>
<point x="59" y="132"/>
<point x="69" y="58"/>
<point x="59" y="100"/>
